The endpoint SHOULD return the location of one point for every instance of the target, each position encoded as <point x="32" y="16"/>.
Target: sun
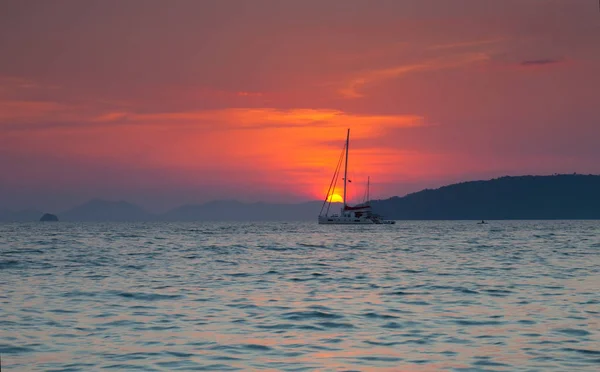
<point x="335" y="198"/>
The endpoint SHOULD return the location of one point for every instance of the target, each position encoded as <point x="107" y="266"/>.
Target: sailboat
<point x="357" y="215"/>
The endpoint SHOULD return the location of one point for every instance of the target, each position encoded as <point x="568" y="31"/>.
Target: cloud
<point x="249" y="94"/>
<point x="110" y="117"/>
<point x="25" y="101"/>
<point x="12" y="85"/>
<point x="467" y="44"/>
<point x="31" y="116"/>
<point x="283" y="147"/>
<point x="540" y="62"/>
<point x="14" y="82"/>
<point x="30" y="111"/>
<point x="352" y="87"/>
<point x="268" y="118"/>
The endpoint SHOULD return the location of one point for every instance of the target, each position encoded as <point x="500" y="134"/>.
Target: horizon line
<point x="286" y="203"/>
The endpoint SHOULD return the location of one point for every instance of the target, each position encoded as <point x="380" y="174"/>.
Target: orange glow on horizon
<point x="301" y="160"/>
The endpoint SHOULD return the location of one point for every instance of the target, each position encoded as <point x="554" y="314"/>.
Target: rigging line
<point x="369" y="190"/>
<point x="328" y="191"/>
<point x="332" y="184"/>
<point x="337" y="176"/>
<point x="366" y="196"/>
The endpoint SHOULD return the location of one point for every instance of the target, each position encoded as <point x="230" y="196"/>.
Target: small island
<point x="49" y="217"/>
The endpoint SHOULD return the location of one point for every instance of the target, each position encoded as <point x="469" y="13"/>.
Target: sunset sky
<point x="163" y="103"/>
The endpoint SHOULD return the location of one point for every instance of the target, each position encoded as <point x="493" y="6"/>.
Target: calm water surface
<point x="415" y="296"/>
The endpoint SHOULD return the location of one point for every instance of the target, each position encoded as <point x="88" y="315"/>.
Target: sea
<point x="275" y="296"/>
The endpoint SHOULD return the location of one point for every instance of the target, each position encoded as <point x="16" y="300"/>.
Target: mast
<point x="368" y="184"/>
<point x="346" y="166"/>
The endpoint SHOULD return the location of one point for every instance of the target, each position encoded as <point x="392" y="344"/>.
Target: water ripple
<point x="418" y="296"/>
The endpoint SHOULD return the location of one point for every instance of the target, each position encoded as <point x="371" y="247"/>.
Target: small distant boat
<point x="357" y="215"/>
<point x="482" y="222"/>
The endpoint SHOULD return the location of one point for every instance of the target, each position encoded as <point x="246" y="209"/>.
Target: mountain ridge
<point x="239" y="211"/>
<point x="508" y="197"/>
<point x="98" y="210"/>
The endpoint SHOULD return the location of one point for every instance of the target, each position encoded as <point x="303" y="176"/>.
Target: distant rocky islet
<point x="48" y="217"/>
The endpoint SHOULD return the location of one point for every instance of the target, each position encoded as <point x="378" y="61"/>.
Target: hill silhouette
<point x="231" y="210"/>
<point x="522" y="197"/>
<point x="104" y="210"/>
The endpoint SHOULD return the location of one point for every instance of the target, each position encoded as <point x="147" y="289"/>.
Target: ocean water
<point x="415" y="296"/>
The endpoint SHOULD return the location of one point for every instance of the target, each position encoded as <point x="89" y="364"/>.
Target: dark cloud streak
<point x="541" y="62"/>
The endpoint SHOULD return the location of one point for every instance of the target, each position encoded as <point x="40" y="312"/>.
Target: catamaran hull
<point x="343" y="221"/>
<point x="324" y="220"/>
